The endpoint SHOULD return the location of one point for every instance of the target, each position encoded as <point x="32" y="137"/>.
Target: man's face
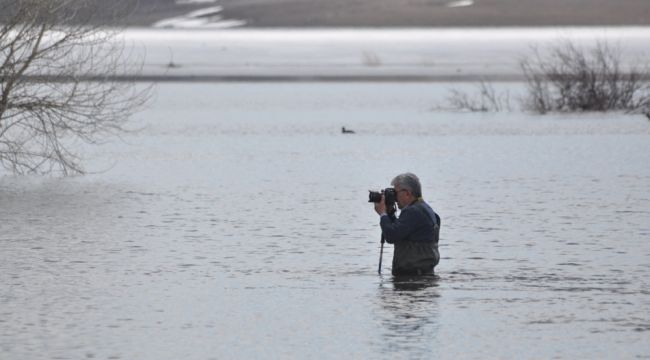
<point x="404" y="197"/>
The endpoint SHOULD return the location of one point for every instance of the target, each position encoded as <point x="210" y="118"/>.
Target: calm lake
<point x="234" y="224"/>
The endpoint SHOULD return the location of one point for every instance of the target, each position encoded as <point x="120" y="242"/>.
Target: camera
<point x="390" y="197"/>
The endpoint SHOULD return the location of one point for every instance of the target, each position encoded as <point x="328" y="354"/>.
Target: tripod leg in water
<point x="381" y="253"/>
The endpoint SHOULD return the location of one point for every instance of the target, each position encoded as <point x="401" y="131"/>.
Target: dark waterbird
<point x="346" y="131"/>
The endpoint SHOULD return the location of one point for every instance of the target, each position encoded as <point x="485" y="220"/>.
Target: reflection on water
<point x="236" y="225"/>
<point x="409" y="314"/>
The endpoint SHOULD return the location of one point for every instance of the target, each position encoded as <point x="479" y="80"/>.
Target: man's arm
<point x="396" y="230"/>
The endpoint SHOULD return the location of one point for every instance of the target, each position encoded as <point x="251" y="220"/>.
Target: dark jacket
<point x="415" y="235"/>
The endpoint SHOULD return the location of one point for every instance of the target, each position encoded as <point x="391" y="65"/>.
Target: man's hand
<point x="380" y="207"/>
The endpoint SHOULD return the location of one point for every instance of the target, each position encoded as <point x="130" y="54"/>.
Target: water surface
<point x="234" y="224"/>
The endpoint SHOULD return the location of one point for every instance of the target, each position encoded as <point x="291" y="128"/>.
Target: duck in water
<point x="346" y="131"/>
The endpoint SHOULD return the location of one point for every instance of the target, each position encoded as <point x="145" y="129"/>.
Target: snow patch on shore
<point x="190" y="2"/>
<point x="209" y="17"/>
<point x="460" y="3"/>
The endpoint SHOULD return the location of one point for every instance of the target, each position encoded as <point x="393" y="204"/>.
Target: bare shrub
<point x="62" y="80"/>
<point x="569" y="78"/>
<point x="485" y="99"/>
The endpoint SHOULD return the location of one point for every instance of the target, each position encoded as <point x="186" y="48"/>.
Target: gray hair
<point x="409" y="182"/>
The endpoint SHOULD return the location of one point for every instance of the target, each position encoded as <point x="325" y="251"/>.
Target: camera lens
<point x="374" y="196"/>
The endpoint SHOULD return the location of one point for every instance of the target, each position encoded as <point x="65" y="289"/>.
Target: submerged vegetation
<point x="569" y="78"/>
<point x="487" y="99"/>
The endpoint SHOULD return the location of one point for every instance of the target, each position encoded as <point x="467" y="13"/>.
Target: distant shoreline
<point x="287" y="78"/>
<point x="434" y="13"/>
<point x="353" y="54"/>
<point x="300" y="78"/>
<point x="396" y="13"/>
<point x="303" y="14"/>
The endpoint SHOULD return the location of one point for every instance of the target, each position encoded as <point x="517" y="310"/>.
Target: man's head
<point x="408" y="189"/>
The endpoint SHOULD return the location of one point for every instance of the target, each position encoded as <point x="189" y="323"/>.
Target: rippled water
<point x="234" y="224"/>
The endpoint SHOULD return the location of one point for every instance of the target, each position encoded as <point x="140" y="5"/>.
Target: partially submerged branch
<point x="569" y="78"/>
<point x="485" y="99"/>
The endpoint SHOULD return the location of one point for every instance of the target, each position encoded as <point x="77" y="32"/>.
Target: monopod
<point x="391" y="212"/>
<point x="381" y="253"/>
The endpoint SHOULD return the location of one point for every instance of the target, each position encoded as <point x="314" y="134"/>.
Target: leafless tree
<point x="571" y="78"/>
<point x="64" y="79"/>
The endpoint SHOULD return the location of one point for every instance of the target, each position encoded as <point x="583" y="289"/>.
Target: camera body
<point x="389" y="199"/>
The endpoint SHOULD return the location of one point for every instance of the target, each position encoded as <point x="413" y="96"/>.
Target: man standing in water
<point x="415" y="233"/>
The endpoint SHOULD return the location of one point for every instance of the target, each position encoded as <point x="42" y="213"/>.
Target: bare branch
<point x="46" y="103"/>
<point x="571" y="79"/>
<point x="485" y="99"/>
